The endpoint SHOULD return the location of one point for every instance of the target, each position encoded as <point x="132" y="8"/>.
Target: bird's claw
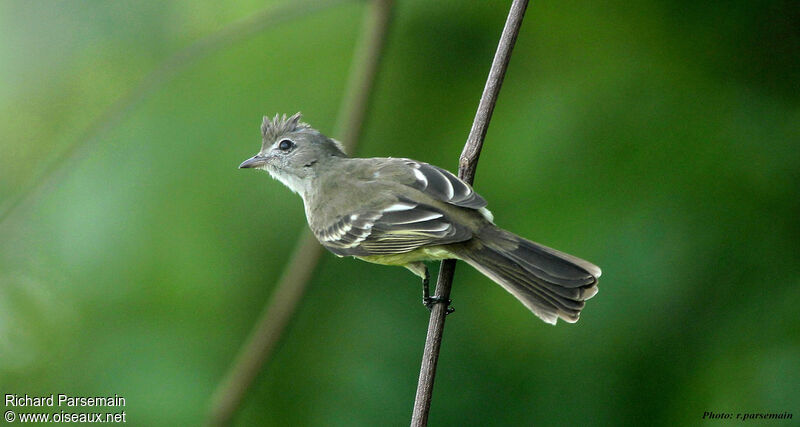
<point x="430" y="301"/>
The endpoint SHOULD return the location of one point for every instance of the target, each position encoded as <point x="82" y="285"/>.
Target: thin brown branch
<point x="468" y="163"/>
<point x="168" y="69"/>
<point x="291" y="287"/>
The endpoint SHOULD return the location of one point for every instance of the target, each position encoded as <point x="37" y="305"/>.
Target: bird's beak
<point x="253" y="162"/>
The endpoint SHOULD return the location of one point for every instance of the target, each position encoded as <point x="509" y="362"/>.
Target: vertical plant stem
<point x="468" y="163"/>
<point x="291" y="287"/>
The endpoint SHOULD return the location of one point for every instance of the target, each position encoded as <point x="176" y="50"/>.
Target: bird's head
<point x="292" y="151"/>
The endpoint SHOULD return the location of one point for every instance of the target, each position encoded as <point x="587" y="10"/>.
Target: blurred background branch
<point x="468" y="163"/>
<point x="56" y="163"/>
<point x="298" y="271"/>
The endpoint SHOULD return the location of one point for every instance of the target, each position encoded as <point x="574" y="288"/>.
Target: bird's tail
<point x="550" y="283"/>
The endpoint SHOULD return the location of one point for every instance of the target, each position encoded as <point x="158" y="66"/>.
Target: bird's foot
<point x="429" y="302"/>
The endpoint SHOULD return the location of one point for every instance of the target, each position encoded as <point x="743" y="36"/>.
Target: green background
<point x="657" y="139"/>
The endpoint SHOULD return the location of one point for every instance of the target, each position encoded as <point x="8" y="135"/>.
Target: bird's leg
<point x="429" y="300"/>
<point x="426" y="289"/>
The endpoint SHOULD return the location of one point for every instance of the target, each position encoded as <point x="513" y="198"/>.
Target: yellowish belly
<point x="433" y="253"/>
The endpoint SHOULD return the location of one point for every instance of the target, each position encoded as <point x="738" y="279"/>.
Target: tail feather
<point x="550" y="283"/>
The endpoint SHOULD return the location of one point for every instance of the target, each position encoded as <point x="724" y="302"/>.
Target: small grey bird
<point x="404" y="212"/>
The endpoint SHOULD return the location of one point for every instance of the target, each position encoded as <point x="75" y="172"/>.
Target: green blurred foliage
<point x="657" y="139"/>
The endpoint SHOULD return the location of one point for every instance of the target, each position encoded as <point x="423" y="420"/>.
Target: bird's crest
<point x="272" y="129"/>
<point x="279" y="125"/>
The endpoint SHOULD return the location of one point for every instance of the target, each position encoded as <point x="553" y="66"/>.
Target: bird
<point x="404" y="212"/>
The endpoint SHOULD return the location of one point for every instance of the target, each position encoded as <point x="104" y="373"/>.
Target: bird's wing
<point x="441" y="184"/>
<point x="396" y="227"/>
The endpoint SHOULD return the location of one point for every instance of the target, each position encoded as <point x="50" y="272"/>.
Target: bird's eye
<point x="285" y="145"/>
